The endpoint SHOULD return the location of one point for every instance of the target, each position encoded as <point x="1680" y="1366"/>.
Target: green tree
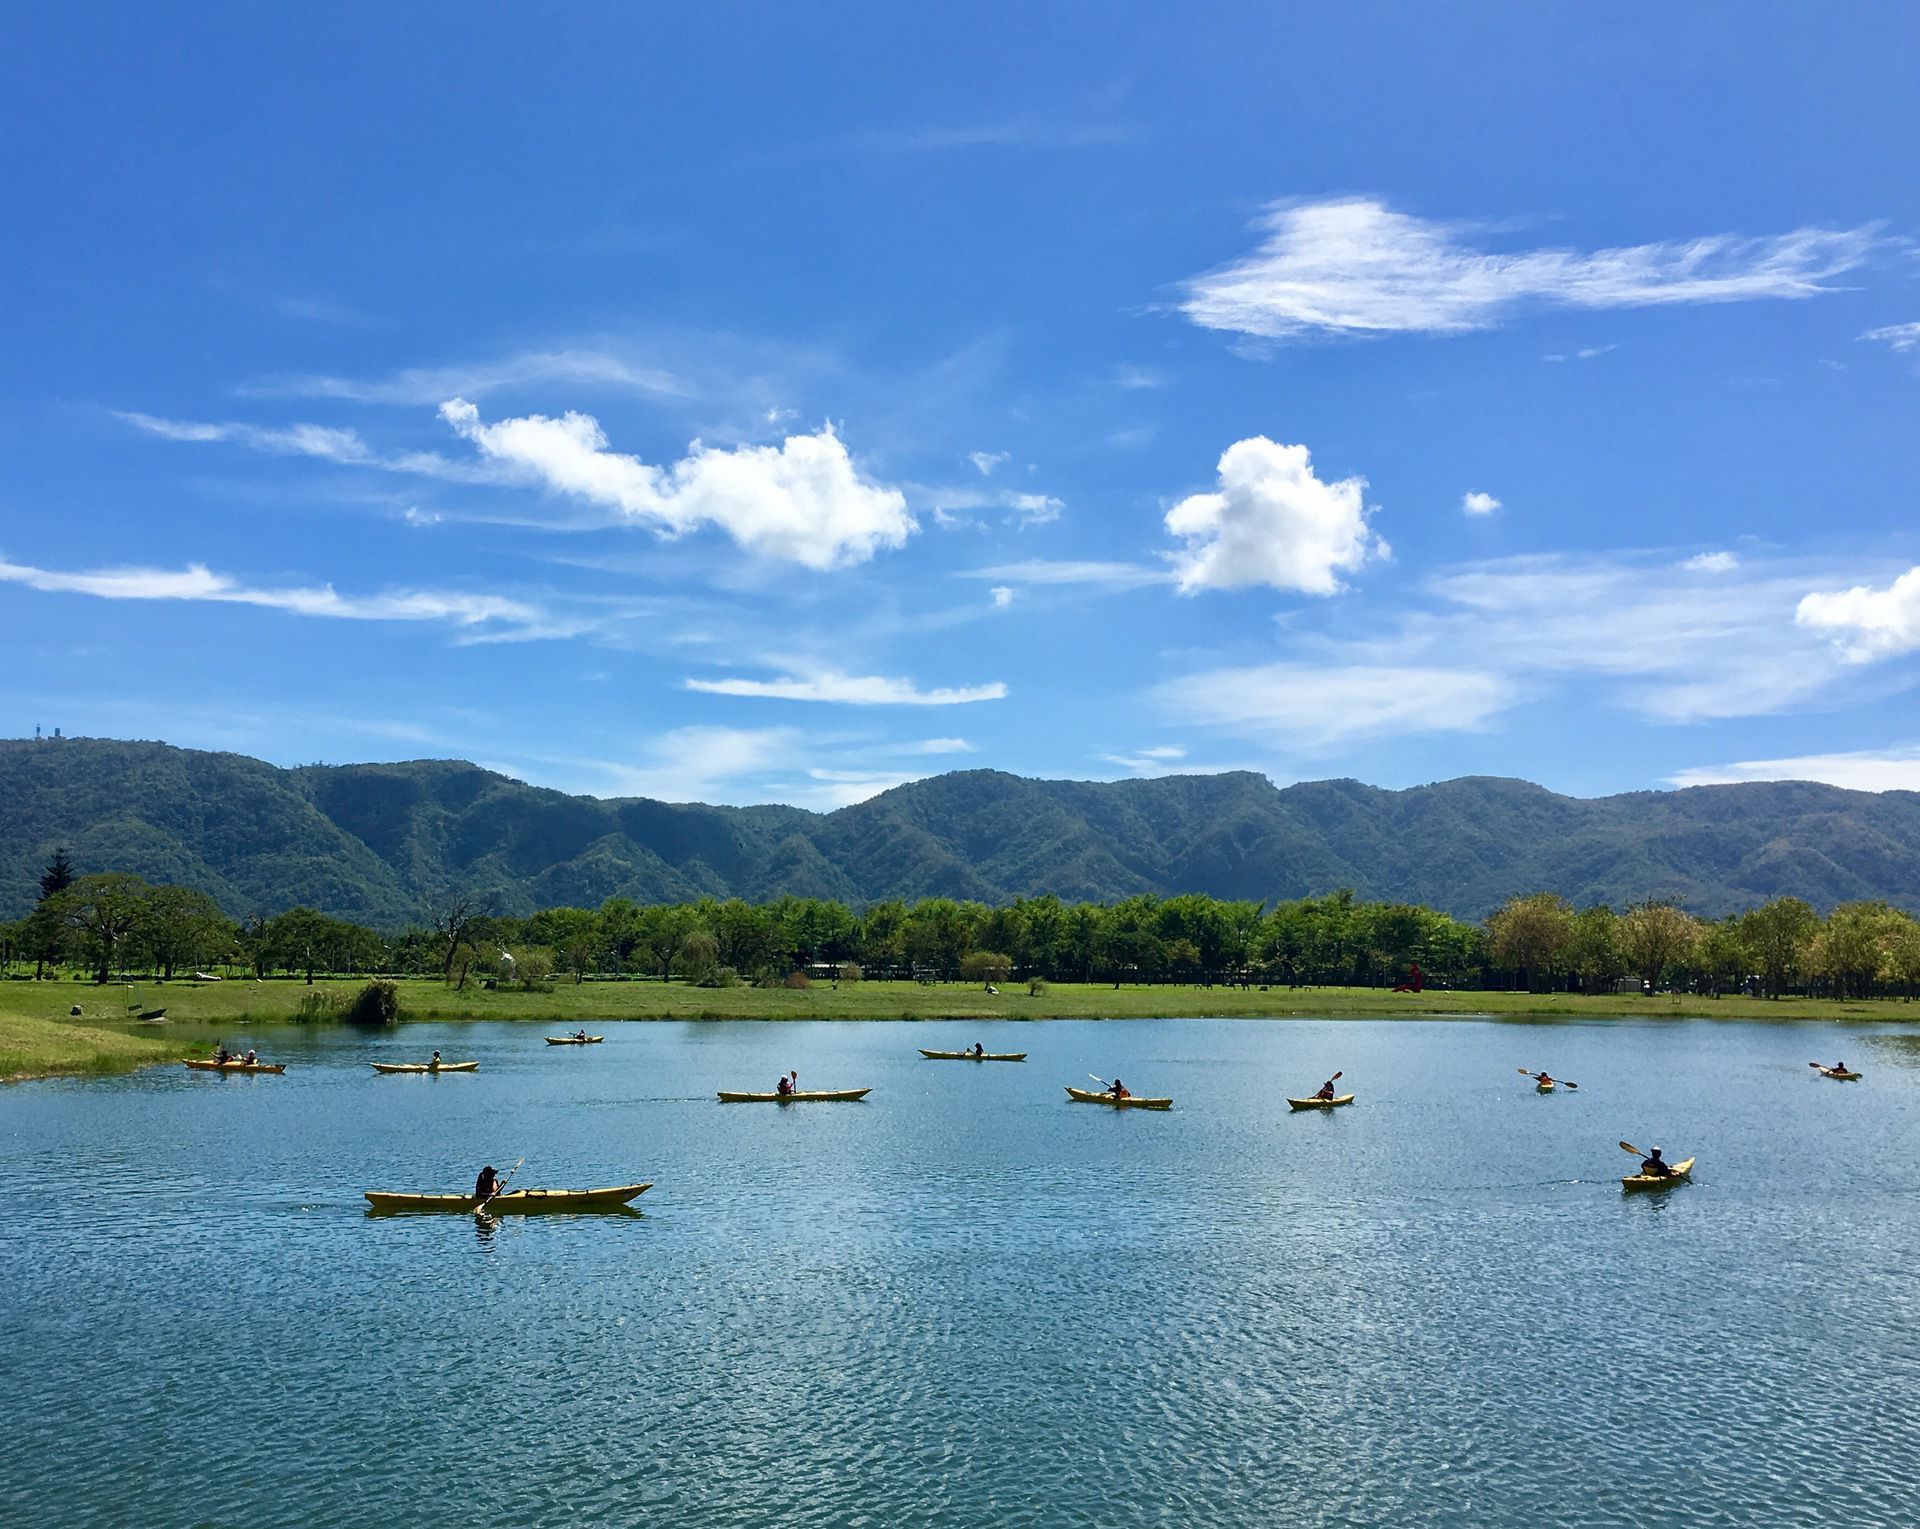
<point x="1780" y="934"/>
<point x="102" y="910"/>
<point x="1594" y="954"/>
<point x="1532" y="935"/>
<point x="181" y="926"/>
<point x="1655" y="936"/>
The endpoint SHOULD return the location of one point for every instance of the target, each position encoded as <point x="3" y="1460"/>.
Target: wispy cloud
<point x="1046" y="571"/>
<point x="1272" y="521"/>
<point x="428" y="386"/>
<point x="1867" y="623"/>
<point x="1308" y="707"/>
<point x="984" y="462"/>
<point x="1586" y="353"/>
<point x="1002" y="596"/>
<point x="1153" y="761"/>
<point x="1355" y="267"/>
<point x="1477" y="503"/>
<point x="1034" y="509"/>
<point x="1137" y="378"/>
<point x="1902" y="337"/>
<point x="325" y="443"/>
<point x="833" y="687"/>
<point x="1859" y="770"/>
<point x="1711" y="562"/>
<point x="197" y="582"/>
<point x="937" y="746"/>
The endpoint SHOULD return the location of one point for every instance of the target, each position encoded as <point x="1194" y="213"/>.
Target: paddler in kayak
<point x="1326" y="1090"/>
<point x="221" y="1054"/>
<point x="979" y="1050"/>
<point x="251" y="1057"/>
<point x="1119" y="1090"/>
<point x="434" y="1065"/>
<point x="786" y="1086"/>
<point x="1654" y="1166"/>
<point x="579" y="1035"/>
<point x="1545" y="1080"/>
<point x="487" y="1185"/>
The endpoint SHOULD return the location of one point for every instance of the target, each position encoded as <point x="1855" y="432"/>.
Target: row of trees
<point x="115" y="922"/>
<point x="1859" y="950"/>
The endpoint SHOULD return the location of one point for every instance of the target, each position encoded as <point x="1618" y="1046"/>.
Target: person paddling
<point x="434" y="1065"/>
<point x="786" y="1086"/>
<point x="222" y="1055"/>
<point x="979" y="1050"/>
<point x="1326" y="1090"/>
<point x="1654" y="1166"/>
<point x="487" y="1185"/>
<point x="252" y="1057"/>
<point x="1119" y="1090"/>
<point x="579" y="1035"/>
<point x="1545" y="1080"/>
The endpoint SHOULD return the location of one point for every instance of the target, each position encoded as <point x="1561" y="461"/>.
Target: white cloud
<point x="1355" y="267"/>
<point x="1137" y="378"/>
<point x="938" y="746"/>
<point x="1868" y="623"/>
<point x="834" y="687"/>
<point x="1712" y="562"/>
<point x="197" y="582"/>
<point x="694" y="764"/>
<point x="986" y="461"/>
<point x="1296" y="706"/>
<point x="1477" y="503"/>
<point x="1272" y="522"/>
<point x="1154" y="761"/>
<point x="1002" y="596"/>
<point x="1861" y="770"/>
<point x="1046" y="571"/>
<point x="325" y="443"/>
<point x="804" y="502"/>
<point x="430" y="385"/>
<point x="1902" y="337"/>
<point x="1035" y="509"/>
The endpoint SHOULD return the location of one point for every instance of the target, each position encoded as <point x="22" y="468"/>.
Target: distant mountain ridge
<point x="377" y="842"/>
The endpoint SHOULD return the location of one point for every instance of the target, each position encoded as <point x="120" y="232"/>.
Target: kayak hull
<point x="574" y="1040"/>
<point x="1543" y="1088"/>
<point x="1840" y="1077"/>
<point x="1131" y="1102"/>
<point x="1320" y="1104"/>
<point x="515" y="1202"/>
<point x="425" y="1067"/>
<point x="1681" y="1173"/>
<point x="238" y="1066"/>
<point x="799" y="1096"/>
<point x="968" y="1056"/>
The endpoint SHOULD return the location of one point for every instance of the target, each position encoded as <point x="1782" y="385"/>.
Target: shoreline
<point x="40" y="1039"/>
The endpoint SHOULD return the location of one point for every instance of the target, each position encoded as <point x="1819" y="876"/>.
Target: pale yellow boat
<point x="973" y="1056"/>
<point x="236" y="1065"/>
<point x="1320" y="1104"/>
<point x="798" y="1096"/>
<point x="425" y="1066"/>
<point x="574" y="1040"/>
<point x="515" y="1202"/>
<point x="1681" y="1173"/>
<point x="1131" y="1102"/>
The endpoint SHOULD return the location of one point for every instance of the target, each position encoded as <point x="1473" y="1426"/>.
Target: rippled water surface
<point x="967" y="1300"/>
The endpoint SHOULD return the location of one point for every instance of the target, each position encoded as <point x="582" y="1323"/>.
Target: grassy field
<point x="38" y="1037"/>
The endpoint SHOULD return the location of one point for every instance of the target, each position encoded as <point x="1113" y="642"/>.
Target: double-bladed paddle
<point x="1536" y="1078"/>
<point x="498" y="1189"/>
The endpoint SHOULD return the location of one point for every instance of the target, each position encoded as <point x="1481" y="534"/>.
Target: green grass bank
<point x="39" y="1038"/>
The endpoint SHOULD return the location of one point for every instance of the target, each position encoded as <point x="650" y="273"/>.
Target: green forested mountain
<point x="376" y="843"/>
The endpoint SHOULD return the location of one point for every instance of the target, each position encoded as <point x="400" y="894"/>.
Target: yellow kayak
<point x="425" y="1067"/>
<point x="1320" y="1104"/>
<point x="238" y="1066"/>
<point x="514" y="1202"/>
<point x="1543" y="1088"/>
<point x="1844" y="1077"/>
<point x="972" y="1056"/>
<point x="798" y="1096"/>
<point x="1131" y="1102"/>
<point x="574" y="1040"/>
<point x="1681" y="1172"/>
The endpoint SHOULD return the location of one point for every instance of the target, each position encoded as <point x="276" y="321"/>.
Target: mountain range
<point x="378" y="842"/>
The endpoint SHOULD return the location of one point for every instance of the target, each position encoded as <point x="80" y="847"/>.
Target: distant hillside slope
<point x="377" y="842"/>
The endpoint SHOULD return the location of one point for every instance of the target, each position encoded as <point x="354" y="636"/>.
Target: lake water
<point x="967" y="1300"/>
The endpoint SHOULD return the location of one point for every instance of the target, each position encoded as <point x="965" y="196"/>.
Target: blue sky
<point x="776" y="404"/>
